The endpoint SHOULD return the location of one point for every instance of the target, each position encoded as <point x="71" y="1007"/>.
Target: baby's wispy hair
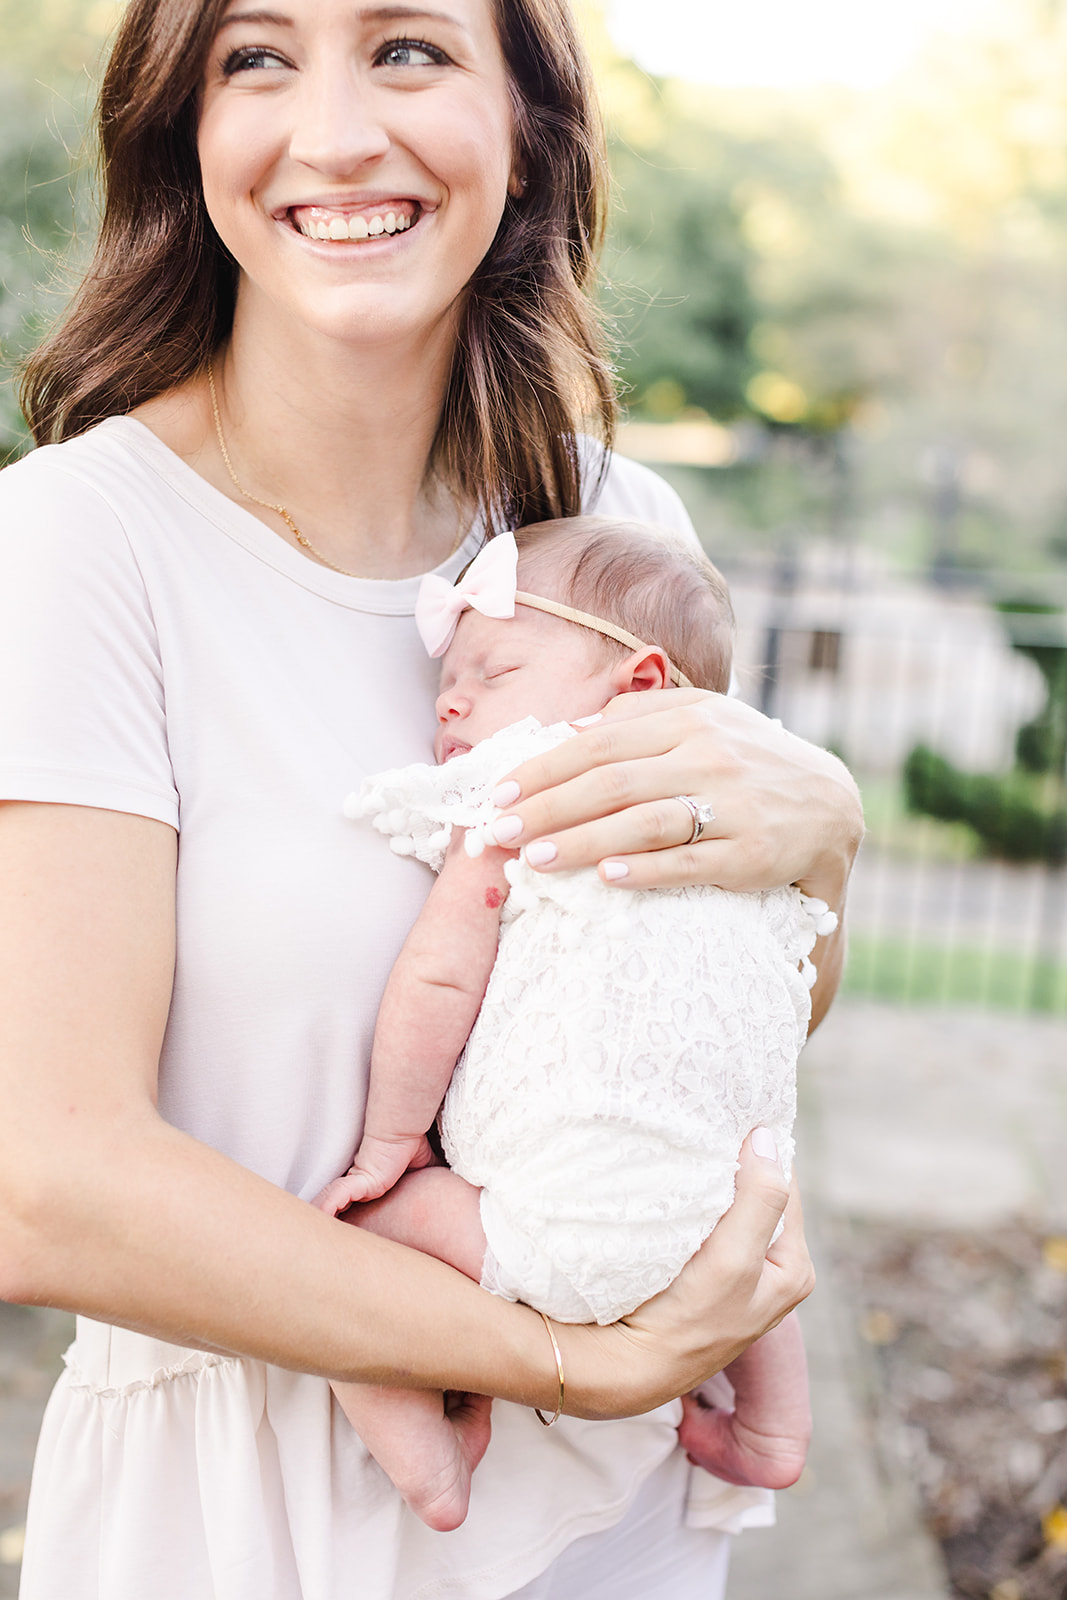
<point x="644" y="578"/>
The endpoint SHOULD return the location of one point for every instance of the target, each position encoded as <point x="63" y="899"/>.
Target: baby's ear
<point x="647" y="668"/>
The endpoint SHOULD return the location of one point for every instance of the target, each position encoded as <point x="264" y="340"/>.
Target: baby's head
<point x="646" y="582"/>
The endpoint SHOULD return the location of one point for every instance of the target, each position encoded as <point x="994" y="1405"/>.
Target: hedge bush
<point x="1007" y="812"/>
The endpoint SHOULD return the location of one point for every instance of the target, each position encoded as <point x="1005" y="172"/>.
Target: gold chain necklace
<point x="270" y="505"/>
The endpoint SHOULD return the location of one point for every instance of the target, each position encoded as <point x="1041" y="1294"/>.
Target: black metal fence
<point x="960" y="894"/>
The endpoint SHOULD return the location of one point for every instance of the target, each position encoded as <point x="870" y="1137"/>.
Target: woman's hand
<point x="784" y="810"/>
<point x="735" y="1289"/>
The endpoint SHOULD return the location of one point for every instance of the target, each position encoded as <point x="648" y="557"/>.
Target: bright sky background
<point x="785" y="43"/>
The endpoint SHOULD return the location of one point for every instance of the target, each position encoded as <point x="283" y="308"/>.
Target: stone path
<point x="953" y="1119"/>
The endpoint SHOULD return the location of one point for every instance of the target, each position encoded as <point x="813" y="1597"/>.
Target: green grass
<point x="921" y="974"/>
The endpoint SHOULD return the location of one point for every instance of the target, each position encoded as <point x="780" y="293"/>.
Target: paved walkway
<point x="944" y="1118"/>
<point x="955" y="1119"/>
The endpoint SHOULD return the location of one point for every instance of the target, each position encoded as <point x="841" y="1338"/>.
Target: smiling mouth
<point x="343" y="224"/>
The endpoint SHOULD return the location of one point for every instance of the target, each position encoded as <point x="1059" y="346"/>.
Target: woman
<point x="334" y="334"/>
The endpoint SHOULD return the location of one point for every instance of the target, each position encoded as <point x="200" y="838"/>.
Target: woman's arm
<point x="785" y="811"/>
<point x="107" y="1210"/>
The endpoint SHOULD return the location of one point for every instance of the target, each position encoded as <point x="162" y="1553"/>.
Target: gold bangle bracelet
<point x="548" y="1421"/>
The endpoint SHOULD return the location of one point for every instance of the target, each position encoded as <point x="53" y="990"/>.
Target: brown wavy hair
<point x="530" y="370"/>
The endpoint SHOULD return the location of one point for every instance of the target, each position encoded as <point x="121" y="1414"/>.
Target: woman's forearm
<point x="140" y="1225"/>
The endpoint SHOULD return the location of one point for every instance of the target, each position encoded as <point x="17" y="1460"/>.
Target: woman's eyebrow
<point x="256" y="19"/>
<point x="385" y="13"/>
<point x="388" y="13"/>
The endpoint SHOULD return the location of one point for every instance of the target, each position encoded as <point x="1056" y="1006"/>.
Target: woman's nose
<point x="337" y="130"/>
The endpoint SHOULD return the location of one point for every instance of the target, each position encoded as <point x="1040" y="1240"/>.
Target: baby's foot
<point x="716" y="1440"/>
<point x="439" y="1490"/>
<point x="429" y="1455"/>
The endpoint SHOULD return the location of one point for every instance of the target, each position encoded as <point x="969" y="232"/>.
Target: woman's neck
<point x="340" y="437"/>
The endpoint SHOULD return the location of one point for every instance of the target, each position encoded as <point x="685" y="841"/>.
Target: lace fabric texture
<point x="627" y="1044"/>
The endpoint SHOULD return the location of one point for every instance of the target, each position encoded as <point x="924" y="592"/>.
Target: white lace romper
<point x="628" y="1042"/>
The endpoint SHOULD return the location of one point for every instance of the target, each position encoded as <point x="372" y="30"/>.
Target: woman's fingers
<point x="784" y="811"/>
<point x="763" y="1199"/>
<point x="540" y="790"/>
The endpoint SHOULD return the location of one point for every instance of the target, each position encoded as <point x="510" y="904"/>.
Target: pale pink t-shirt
<point x="164" y="653"/>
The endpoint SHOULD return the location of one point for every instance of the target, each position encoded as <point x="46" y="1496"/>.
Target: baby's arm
<point x="764" y="1440"/>
<point x="427" y="1011"/>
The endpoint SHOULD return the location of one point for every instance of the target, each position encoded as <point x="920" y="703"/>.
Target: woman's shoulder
<point x="99" y="490"/>
<point x="93" y="464"/>
<point x="620" y="487"/>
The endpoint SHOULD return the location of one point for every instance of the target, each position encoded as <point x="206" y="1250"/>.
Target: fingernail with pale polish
<point x="541" y="852"/>
<point x="763" y="1145"/>
<point x="505" y="794"/>
<point x="614" y="870"/>
<point x="587" y="722"/>
<point x="507" y="829"/>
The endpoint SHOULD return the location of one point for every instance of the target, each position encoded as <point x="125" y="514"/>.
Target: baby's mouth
<point x="343" y="224"/>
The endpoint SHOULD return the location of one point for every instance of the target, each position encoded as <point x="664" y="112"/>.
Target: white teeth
<point x="356" y="227"/>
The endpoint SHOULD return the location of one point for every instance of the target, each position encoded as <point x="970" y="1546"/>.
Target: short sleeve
<point x="82" y="717"/>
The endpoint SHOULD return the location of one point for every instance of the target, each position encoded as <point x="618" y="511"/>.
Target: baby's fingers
<point x="347" y="1191"/>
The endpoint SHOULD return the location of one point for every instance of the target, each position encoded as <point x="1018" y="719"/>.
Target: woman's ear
<point x="647" y="668"/>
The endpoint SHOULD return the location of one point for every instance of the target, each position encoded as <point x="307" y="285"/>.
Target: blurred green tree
<point x="50" y="49"/>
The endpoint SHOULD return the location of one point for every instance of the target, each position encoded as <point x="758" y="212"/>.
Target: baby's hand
<point x="378" y="1165"/>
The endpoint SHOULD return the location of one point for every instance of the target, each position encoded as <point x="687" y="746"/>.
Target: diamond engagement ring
<point x="701" y="815"/>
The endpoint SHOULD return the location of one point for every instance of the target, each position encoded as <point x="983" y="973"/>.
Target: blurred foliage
<point x="900" y="260"/>
<point x="1041" y="743"/>
<point x="1017" y="816"/>
<point x="50" y="52"/>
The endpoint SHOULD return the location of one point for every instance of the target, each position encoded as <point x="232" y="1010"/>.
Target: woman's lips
<point x="345" y="223"/>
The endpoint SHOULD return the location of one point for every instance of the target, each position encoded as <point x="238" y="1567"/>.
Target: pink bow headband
<point x="489" y="586"/>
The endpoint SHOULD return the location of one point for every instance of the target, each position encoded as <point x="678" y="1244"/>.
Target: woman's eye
<point x="251" y="58"/>
<point x="410" y="53"/>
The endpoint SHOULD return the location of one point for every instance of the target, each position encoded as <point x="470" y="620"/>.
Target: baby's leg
<point x="433" y="1210"/>
<point x="429" y="1451"/>
<point x="764" y="1440"/>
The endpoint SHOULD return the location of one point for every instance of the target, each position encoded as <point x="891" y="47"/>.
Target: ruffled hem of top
<point x="174" y="1473"/>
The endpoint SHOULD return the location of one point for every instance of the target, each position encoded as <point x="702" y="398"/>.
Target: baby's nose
<point x="450" y="704"/>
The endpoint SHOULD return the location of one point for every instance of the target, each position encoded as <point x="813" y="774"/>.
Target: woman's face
<point x="356" y="159"/>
